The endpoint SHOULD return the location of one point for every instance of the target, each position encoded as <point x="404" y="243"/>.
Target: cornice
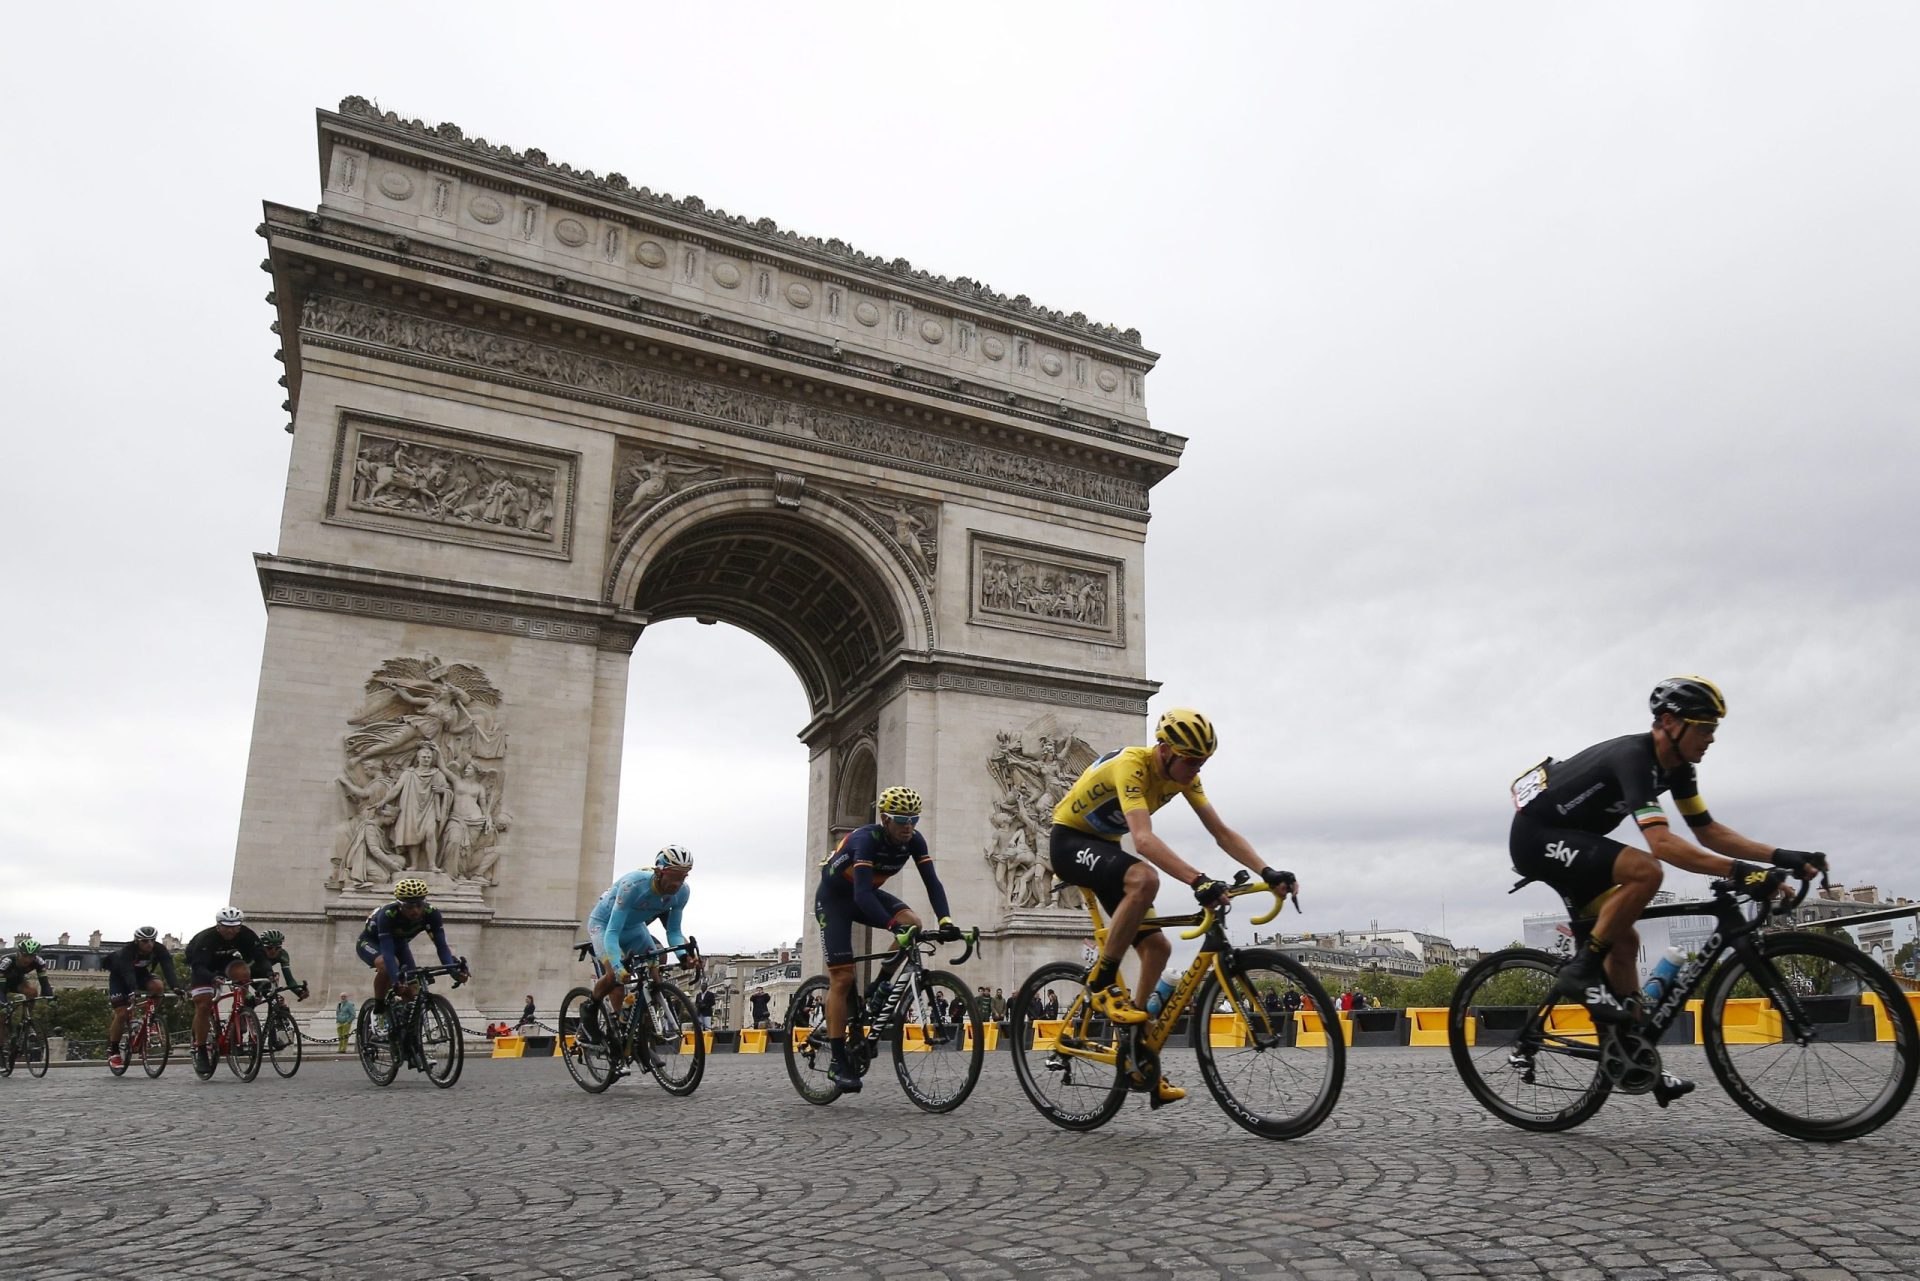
<point x="374" y="593"/>
<point x="947" y="670"/>
<point x="287" y="229"/>
<point x="450" y="143"/>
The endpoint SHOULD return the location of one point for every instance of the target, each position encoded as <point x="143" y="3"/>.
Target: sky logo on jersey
<point x="1562" y="852"/>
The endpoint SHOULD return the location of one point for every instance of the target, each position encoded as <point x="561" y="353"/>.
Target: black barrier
<point x="1839" y="1018"/>
<point x="538" y="1045"/>
<point x="726" y="1040"/>
<point x="1380" y="1027"/>
<point x="1684" y="1030"/>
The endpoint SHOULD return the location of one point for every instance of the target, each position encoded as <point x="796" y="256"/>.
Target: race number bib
<point x="1529" y="785"/>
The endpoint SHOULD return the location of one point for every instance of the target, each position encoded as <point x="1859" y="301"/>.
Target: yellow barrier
<point x="1882" y="1025"/>
<point x="1313" y="1032"/>
<point x="1229" y="1031"/>
<point x="1046" y="1033"/>
<point x="1750" y="1020"/>
<point x="799" y="1036"/>
<point x="913" y="1038"/>
<point x="561" y="1044"/>
<point x="686" y="1042"/>
<point x="753" y="1040"/>
<point x="1572" y="1022"/>
<point x="993" y="1036"/>
<point x="1428" y="1026"/>
<point x="509" y="1047"/>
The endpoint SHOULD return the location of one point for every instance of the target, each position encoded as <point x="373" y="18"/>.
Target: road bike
<point x="1781" y="1019"/>
<point x="419" y="1030"/>
<point x="234" y="1036"/>
<point x="928" y="1020"/>
<point x="145" y="1036"/>
<point x="24" y="1040"/>
<point x="1262" y="1066"/>
<point x="281" y="1031"/>
<point x="651" y="1032"/>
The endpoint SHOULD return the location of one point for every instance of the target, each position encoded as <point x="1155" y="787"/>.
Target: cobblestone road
<point x="517" y="1173"/>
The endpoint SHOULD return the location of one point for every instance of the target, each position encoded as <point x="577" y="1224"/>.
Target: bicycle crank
<point x="1630" y="1061"/>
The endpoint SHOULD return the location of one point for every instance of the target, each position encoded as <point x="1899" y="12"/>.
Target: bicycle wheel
<point x="9" y="1046"/>
<point x="243" y="1045"/>
<point x="590" y="1062"/>
<point x="33" y="1048"/>
<point x="156" y="1045"/>
<point x="373" y="1038"/>
<point x="807" y="1064"/>
<point x="1499" y="1030"/>
<point x="1254" y="1067"/>
<point x="438" y="1028"/>
<point x="283" y="1041"/>
<point x="212" y="1059"/>
<point x="1790" y="1068"/>
<point x="665" y="1022"/>
<point x="124" y="1047"/>
<point x="936" y="1066"/>
<point x="1068" y="1068"/>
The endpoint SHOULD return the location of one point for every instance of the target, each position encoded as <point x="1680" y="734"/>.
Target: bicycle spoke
<point x="1522" y="1073"/>
<point x="1276" y="1086"/>
<point x="940" y="1043"/>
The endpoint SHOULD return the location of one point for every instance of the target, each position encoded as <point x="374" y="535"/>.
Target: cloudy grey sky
<point x="1528" y="353"/>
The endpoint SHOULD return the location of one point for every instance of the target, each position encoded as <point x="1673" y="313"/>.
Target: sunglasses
<point x="905" y="820"/>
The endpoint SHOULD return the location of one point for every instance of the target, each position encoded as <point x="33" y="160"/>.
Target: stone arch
<point x="858" y="783"/>
<point x="810" y="574"/>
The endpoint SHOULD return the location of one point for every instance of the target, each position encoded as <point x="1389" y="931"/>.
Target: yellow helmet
<point x="411" y="888"/>
<point x="1187" y="732"/>
<point x="903" y="801"/>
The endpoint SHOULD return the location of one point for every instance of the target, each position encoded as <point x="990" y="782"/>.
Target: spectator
<point x="999" y="1006"/>
<point x="1051" y="1009"/>
<point x="1034" y="1009"/>
<point x="760" y="1001"/>
<point x="1291" y="1000"/>
<point x="939" y="1006"/>
<point x="343" y="1015"/>
<point x="526" y="1015"/>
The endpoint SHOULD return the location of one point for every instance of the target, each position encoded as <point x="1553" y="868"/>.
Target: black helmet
<point x="1691" y="698"/>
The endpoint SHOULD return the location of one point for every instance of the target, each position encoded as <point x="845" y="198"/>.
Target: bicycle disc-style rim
<point x="34" y="1045"/>
<point x="1257" y="1068"/>
<point x="589" y="1061"/>
<point x="1070" y="1089"/>
<point x="155" y="1048"/>
<point x="377" y="1059"/>
<point x="281" y="1027"/>
<point x="1518" y="1067"/>
<point x="1814" y="1080"/>
<point x="938" y="1059"/>
<point x="243" y="1045"/>
<point x="669" y="1017"/>
<point x="807" y="1064"/>
<point x="439" y="1030"/>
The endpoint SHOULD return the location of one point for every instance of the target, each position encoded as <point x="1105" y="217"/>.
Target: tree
<point x="1432" y="990"/>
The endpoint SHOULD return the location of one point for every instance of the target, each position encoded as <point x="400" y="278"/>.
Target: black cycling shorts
<point x="369" y="952"/>
<point x="118" y="993"/>
<point x="1094" y="863"/>
<point x="835" y="912"/>
<point x="1578" y="864"/>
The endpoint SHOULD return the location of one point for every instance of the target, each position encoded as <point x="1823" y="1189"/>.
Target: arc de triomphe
<point x="533" y="410"/>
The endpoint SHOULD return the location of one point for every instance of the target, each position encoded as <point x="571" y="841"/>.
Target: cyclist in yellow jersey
<point x="1116" y="797"/>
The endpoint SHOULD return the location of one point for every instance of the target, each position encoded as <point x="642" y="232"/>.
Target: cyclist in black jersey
<point x="16" y="969"/>
<point x="383" y="939"/>
<point x="1565" y="810"/>
<point x="226" y="949"/>
<point x="130" y="973"/>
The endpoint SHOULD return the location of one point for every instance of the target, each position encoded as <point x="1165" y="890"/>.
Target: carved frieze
<point x="914" y="527"/>
<point x="453" y="486"/>
<point x="1031" y="770"/>
<point x="1031" y="587"/>
<point x="642" y="477"/>
<point x="484" y="351"/>
<point x="424" y="780"/>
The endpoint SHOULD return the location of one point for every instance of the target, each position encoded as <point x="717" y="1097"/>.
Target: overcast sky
<point x="1527" y="353"/>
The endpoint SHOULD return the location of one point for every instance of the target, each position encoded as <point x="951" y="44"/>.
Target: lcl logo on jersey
<point x="1562" y="851"/>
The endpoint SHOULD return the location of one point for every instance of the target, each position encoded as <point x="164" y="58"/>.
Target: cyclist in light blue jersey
<point x="618" y="923"/>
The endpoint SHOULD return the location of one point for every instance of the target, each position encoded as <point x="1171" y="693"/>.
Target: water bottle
<point x="877" y="998"/>
<point x="1158" y="1001"/>
<point x="1662" y="977"/>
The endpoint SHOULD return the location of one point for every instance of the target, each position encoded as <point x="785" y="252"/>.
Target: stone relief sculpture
<point x="365" y="322"/>
<point x="1016" y="585"/>
<point x="915" y="527"/>
<point x="1031" y="782"/>
<point x="643" y="479"/>
<point x="425" y="775"/>
<point x="408" y="478"/>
